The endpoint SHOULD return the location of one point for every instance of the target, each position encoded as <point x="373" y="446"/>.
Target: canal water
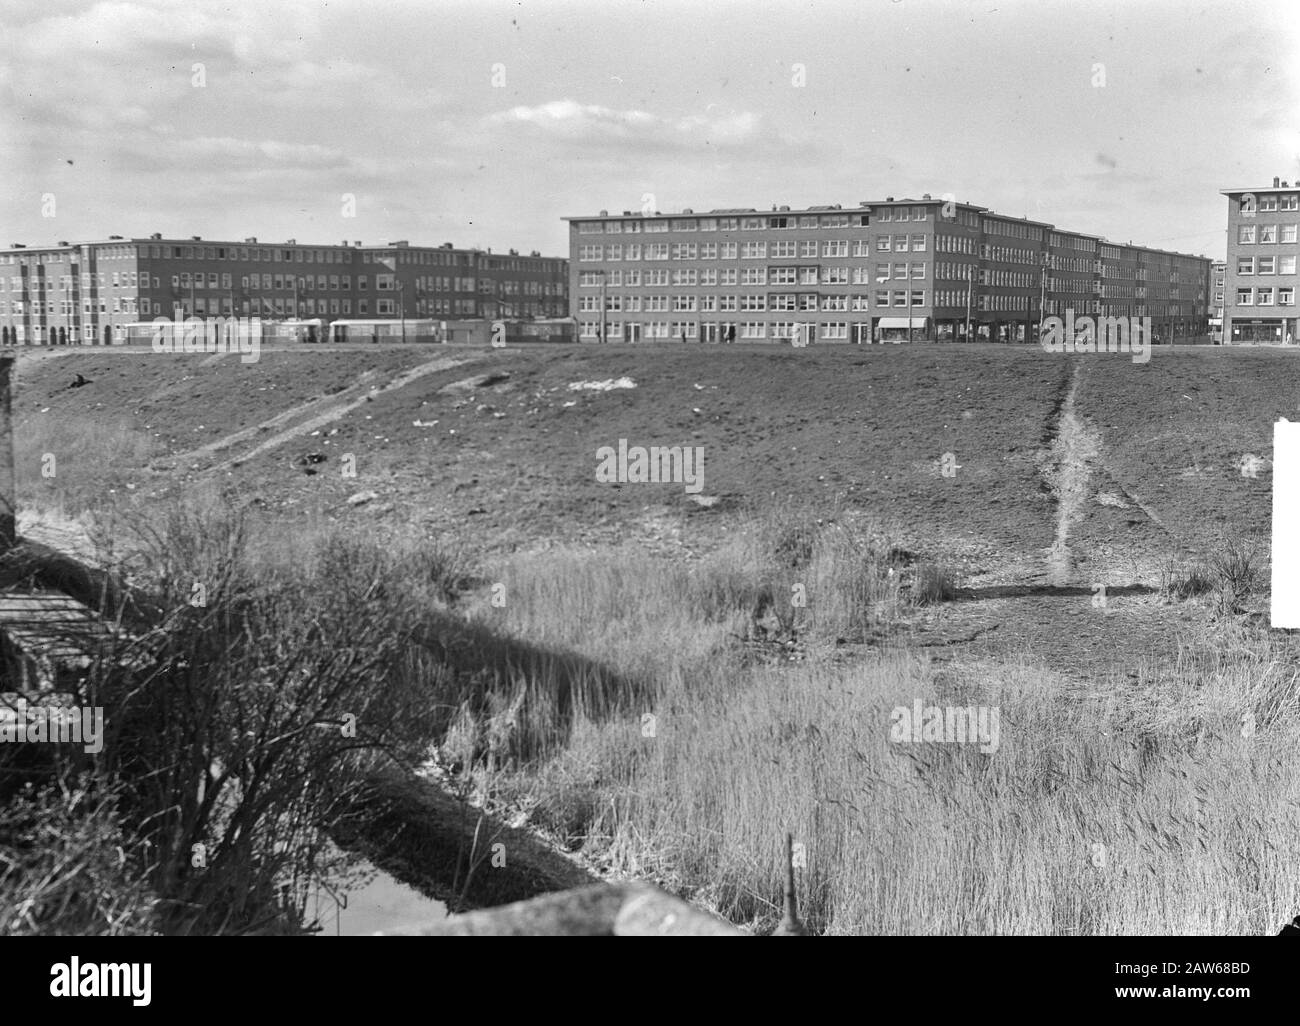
<point x="384" y="903"/>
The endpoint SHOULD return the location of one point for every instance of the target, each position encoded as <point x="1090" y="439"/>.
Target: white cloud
<point x="570" y="121"/>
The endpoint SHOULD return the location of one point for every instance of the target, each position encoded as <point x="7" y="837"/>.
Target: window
<point x="653" y="227"/>
<point x="808" y="249"/>
<point x="1286" y="265"/>
<point x="656" y="251"/>
<point x="835" y="275"/>
<point x="633" y="251"/>
<point x="835" y="248"/>
<point x="1246" y="234"/>
<point x="1287" y="201"/>
<point x="684" y="250"/>
<point x="1245" y="265"/>
<point x="614" y="252"/>
<point x="729" y="276"/>
<point x="1288" y="233"/>
<point x="753" y="303"/>
<point x="754" y="276"/>
<point x="883" y="244"/>
<point x="1267" y="234"/>
<point x="807" y="276"/>
<point x="590" y="252"/>
<point x="1244" y="297"/>
<point x="708" y="251"/>
<point x="835" y="302"/>
<point x="728" y="250"/>
<point x="685" y="276"/>
<point x="1266" y="265"/>
<point x="918" y="243"/>
<point x="708" y="224"/>
<point x="753" y="251"/>
<point x="918" y="271"/>
<point x="1286" y="296"/>
<point x="753" y="329"/>
<point x="1265" y="297"/>
<point x="1268" y="202"/>
<point x="918" y="299"/>
<point x="684" y="303"/>
<point x="785" y="301"/>
<point x="835" y="329"/>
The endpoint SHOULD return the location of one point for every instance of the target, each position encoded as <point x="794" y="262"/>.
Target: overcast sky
<point x="482" y="123"/>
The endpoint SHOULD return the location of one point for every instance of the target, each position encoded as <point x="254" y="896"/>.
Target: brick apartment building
<point x="87" y="293"/>
<point x="884" y="270"/>
<point x="1260" y="293"/>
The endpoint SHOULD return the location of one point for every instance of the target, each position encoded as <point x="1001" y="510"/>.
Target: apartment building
<point x="1260" y="292"/>
<point x="87" y="293"/>
<point x="881" y="271"/>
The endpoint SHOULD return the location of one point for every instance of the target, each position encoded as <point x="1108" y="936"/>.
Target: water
<point x="383" y="904"/>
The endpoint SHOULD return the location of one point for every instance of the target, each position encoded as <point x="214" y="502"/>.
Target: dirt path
<point x="1097" y="609"/>
<point x="314" y="414"/>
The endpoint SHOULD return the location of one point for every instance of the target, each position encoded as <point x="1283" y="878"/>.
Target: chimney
<point x="1276" y="182"/>
<point x="8" y="497"/>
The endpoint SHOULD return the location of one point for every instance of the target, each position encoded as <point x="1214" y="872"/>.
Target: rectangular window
<point x="708" y="251"/>
<point x="1288" y="234"/>
<point x="918" y="243"/>
<point x="1246" y="234"/>
<point x="754" y="276"/>
<point x="918" y="299"/>
<point x="1245" y="265"/>
<point x="1245" y="297"/>
<point x="918" y="271"/>
<point x="753" y="251"/>
<point x="808" y="249"/>
<point x="1286" y="265"/>
<point x="1267" y="234"/>
<point x="1265" y="265"/>
<point x="1265" y="297"/>
<point x="1286" y="296"/>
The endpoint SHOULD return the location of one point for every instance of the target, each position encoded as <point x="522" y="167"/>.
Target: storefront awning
<point x="900" y="322"/>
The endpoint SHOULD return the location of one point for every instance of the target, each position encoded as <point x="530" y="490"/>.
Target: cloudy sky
<point x="483" y="122"/>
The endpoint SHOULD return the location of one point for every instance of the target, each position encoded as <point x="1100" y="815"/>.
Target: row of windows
<point x="777" y="250"/>
<point x="807" y="301"/>
<point x="1273" y="201"/>
<point x="203" y="306"/>
<point x="689" y="330"/>
<point x="310" y="282"/>
<point x="1266" y="265"/>
<point x="690" y="277"/>
<point x="730" y="224"/>
<point x="1264" y="297"/>
<point x="1265" y="234"/>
